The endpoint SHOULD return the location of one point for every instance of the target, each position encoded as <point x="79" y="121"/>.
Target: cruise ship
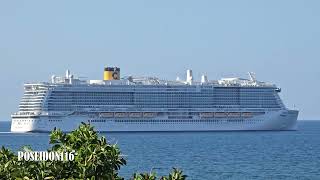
<point x="115" y="104"/>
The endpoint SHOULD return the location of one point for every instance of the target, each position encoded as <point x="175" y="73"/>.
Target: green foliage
<point x="95" y="159"/>
<point x="176" y="174"/>
<point x="144" y="176"/>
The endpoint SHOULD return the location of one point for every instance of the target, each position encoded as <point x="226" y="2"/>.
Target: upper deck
<point x="72" y="94"/>
<point x="69" y="79"/>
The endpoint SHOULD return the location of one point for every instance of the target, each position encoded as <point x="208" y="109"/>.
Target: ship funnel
<point x="111" y="73"/>
<point x="189" y="76"/>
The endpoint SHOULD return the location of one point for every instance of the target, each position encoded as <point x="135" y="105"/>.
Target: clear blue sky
<point x="279" y="40"/>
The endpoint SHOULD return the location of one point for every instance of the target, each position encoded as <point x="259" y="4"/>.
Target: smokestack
<point x="111" y="73"/>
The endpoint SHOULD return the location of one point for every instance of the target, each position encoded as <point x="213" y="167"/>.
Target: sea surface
<point x="208" y="155"/>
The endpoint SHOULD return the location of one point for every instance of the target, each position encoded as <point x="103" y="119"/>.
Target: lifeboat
<point x="233" y="114"/>
<point x="135" y="114"/>
<point x="106" y="114"/>
<point x="220" y="114"/>
<point x="246" y="114"/>
<point x="206" y="114"/>
<point x="121" y="114"/>
<point x="149" y="114"/>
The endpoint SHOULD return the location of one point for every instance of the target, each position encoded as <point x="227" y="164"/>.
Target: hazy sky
<point x="279" y="40"/>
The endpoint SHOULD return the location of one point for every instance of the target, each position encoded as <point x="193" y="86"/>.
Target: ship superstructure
<point x="152" y="104"/>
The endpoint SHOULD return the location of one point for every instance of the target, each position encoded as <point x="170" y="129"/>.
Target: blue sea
<point x="208" y="155"/>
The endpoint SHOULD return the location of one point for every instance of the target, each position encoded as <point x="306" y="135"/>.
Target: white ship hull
<point x="273" y="120"/>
